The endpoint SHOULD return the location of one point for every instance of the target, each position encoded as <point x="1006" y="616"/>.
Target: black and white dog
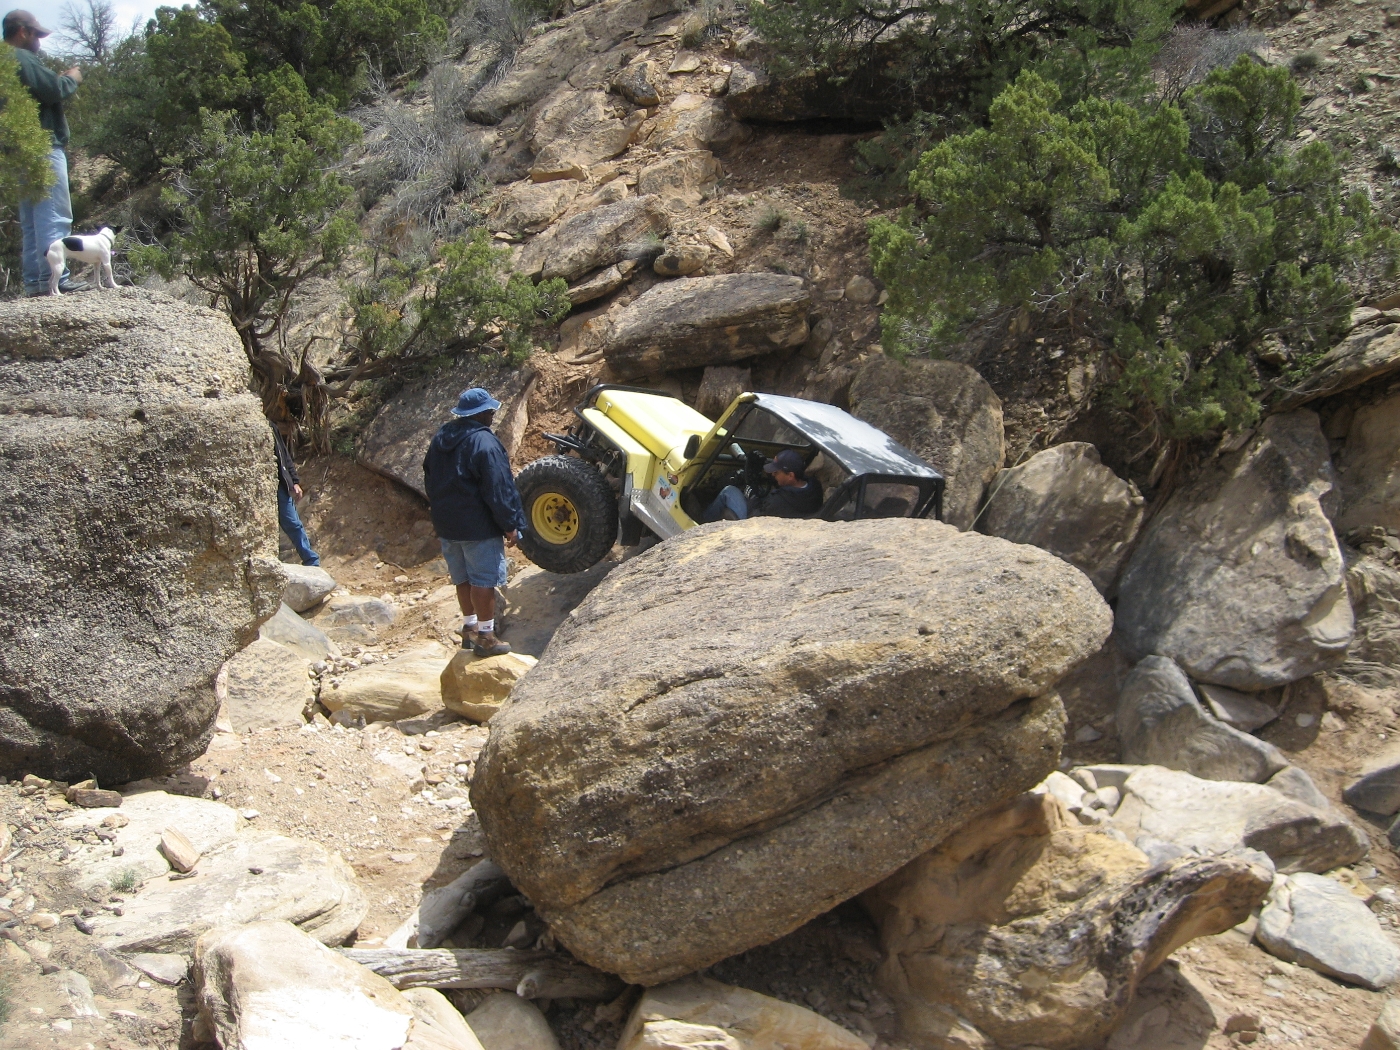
<point x="95" y="248"/>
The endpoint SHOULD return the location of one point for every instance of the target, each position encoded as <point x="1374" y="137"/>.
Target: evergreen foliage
<point x="24" y="145"/>
<point x="1178" y="237"/>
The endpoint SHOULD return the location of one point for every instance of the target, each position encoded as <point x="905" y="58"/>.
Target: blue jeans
<point x="291" y="524"/>
<point x="44" y="221"/>
<point x="730" y="498"/>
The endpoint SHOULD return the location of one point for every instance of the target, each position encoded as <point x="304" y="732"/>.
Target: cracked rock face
<point x="757" y="720"/>
<point x="137" y="535"/>
<point x="1239" y="579"/>
<point x="1026" y="930"/>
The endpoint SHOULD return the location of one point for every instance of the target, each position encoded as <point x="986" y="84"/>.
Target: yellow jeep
<point x="641" y="461"/>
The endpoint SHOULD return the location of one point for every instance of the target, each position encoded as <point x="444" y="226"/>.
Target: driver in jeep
<point x="794" y="495"/>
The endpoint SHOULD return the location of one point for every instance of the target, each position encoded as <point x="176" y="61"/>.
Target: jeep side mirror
<point x="692" y="446"/>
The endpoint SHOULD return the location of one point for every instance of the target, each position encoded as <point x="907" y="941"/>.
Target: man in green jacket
<point x="50" y="218"/>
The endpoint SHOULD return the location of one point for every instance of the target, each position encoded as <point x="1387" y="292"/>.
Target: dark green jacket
<point x="50" y="89"/>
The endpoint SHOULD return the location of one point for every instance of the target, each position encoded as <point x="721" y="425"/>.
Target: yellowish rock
<point x="507" y="1022"/>
<point x="401" y="688"/>
<point x="478" y="688"/>
<point x="696" y="1013"/>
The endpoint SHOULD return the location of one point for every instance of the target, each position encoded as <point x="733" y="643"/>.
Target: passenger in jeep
<point x="794" y="495"/>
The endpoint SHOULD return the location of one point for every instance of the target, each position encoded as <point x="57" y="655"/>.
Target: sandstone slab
<point x="408" y="685"/>
<point x="397" y="438"/>
<point x="528" y="207"/>
<point x="945" y="413"/>
<point x="1319" y="923"/>
<point x="707" y="321"/>
<point x="207" y="825"/>
<point x="268" y="686"/>
<point x="697" y="1012"/>
<point x="1161" y="723"/>
<point x="1368" y="469"/>
<point x="268" y="986"/>
<point x="1362" y="356"/>
<point x="1239" y="578"/>
<point x="593" y="239"/>
<point x="290" y="631"/>
<point x="307" y="586"/>
<point x="1213" y="816"/>
<point x="669" y="796"/>
<point x="681" y="179"/>
<point x="254" y="877"/>
<point x="477" y="688"/>
<point x="137" y="530"/>
<point x="1064" y="500"/>
<point x="1241" y="710"/>
<point x="572" y="130"/>
<point x="1024" y="929"/>
<point x="696" y="122"/>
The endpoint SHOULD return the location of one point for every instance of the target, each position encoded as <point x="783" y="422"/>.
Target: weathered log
<point x="440" y="910"/>
<point x="533" y="974"/>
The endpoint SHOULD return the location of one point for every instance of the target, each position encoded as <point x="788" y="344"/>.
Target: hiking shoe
<point x="33" y="291"/>
<point x="71" y="285"/>
<point x="487" y="644"/>
<point x="468" y="637"/>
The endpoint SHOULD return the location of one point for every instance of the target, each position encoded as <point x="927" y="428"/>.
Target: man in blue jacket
<point x="476" y="511"/>
<point x="50" y="218"/>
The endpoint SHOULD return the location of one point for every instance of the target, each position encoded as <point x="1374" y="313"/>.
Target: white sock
<point x="486" y="626"/>
<point x="469" y="624"/>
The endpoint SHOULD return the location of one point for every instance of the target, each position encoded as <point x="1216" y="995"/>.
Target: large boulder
<point x="696" y="122"/>
<point x="288" y="629"/>
<point x="707" y="321"/>
<point x="1368" y="469"/>
<point x="680" y="179"/>
<point x="594" y="238"/>
<point x="528" y="207"/>
<point x="138" y="525"/>
<point x="946" y="413"/>
<point x="1362" y="356"/>
<point x="1239" y="579"/>
<point x="699" y="764"/>
<point x="1166" y="811"/>
<point x="1026" y="930"/>
<point x="1318" y="922"/>
<point x="1161" y="723"/>
<point x="307" y="586"/>
<point x="1065" y="501"/>
<point x="397" y="438"/>
<point x="268" y="986"/>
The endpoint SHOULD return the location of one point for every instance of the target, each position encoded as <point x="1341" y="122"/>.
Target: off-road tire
<point x="594" y="503"/>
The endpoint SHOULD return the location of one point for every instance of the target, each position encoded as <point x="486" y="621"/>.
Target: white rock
<point x="306" y="586"/>
<point x="74" y="988"/>
<point x="1213" y="816"/>
<point x="408" y="685"/>
<point x="1246" y="713"/>
<point x="432" y="1008"/>
<point x="1319" y="923"/>
<point x="207" y="825"/>
<point x="167" y="969"/>
<point x="507" y="1022"/>
<point x="288" y="629"/>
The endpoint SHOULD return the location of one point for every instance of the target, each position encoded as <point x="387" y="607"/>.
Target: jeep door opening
<point x="642" y="461"/>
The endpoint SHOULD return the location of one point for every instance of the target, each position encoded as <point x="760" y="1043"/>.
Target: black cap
<point x="788" y="461"/>
<point x="18" y="19"/>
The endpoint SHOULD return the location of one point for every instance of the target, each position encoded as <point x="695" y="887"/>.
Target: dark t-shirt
<point x="791" y="502"/>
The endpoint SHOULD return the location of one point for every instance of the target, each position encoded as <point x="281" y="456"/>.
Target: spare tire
<point x="570" y="514"/>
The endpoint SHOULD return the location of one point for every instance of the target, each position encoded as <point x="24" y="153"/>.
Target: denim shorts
<point x="482" y="563"/>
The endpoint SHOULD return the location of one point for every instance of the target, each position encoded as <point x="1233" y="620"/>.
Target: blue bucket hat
<point x="474" y="401"/>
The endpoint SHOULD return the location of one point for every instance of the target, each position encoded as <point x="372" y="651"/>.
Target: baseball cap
<point x="786" y="460"/>
<point x="474" y="401"/>
<point x="22" y="19"/>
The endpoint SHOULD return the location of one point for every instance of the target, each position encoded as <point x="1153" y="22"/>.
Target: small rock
<point x="75" y="989"/>
<point x="508" y="1022"/>
<point x="684" y="63"/>
<point x="178" y="850"/>
<point x="1244" y="712"/>
<point x="92" y="798"/>
<point x="165" y="968"/>
<point x="1304" y="720"/>
<point x="249" y="814"/>
<point x="307" y="586"/>
<point x="43" y="920"/>
<point x="861" y="290"/>
<point x="1087" y="735"/>
<point x="1377" y="790"/>
<point x="477" y="688"/>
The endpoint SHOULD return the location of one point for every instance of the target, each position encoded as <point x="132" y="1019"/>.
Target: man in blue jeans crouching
<point x="476" y="511"/>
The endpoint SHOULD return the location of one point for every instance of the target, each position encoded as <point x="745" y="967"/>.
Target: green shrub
<point x="1176" y="237"/>
<point x="126" y="881"/>
<point x="771" y="219"/>
<point x="24" y="145"/>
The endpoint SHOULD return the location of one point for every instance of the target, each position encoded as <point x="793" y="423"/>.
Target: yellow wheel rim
<point x="554" y="518"/>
